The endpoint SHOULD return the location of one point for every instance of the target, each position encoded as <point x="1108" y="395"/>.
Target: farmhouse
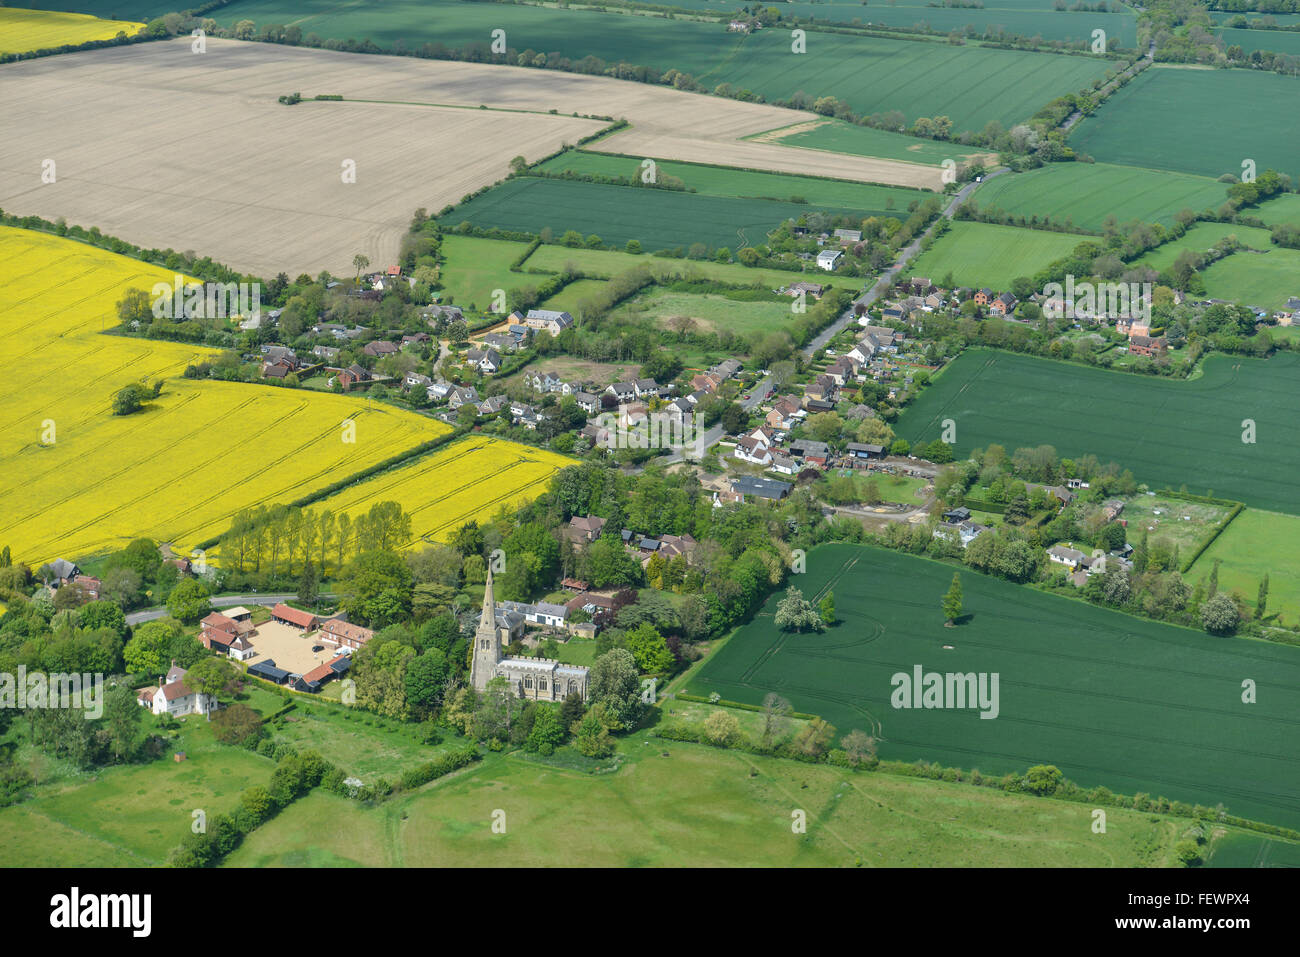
<point x="584" y="529"/>
<point x="172" y="696"/>
<point x="538" y="679"/>
<point x="1146" y="346"/>
<point x="343" y="633"/>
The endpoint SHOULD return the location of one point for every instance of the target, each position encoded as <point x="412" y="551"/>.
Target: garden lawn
<point x="1173" y="432"/>
<point x="983" y="254"/>
<point x="1110" y="699"/>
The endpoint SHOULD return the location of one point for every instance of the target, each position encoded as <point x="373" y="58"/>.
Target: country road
<point x="882" y="285"/>
<point x="221" y="601"/>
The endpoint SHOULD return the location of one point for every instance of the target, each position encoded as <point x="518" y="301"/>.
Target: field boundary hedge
<point x="724" y="703"/>
<point x="389" y="463"/>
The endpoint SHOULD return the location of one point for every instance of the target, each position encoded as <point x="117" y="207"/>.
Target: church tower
<point x="487" y="641"/>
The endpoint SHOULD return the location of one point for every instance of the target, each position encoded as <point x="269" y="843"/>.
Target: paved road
<point x="764" y="386"/>
<point x="221" y="601"/>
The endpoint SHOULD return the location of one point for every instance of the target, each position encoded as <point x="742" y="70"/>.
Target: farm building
<point x="296" y="617"/>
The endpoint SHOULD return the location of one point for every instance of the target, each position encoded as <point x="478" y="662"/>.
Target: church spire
<point x="489" y="618"/>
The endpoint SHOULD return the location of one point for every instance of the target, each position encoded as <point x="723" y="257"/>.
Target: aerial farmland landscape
<point x="651" y="434"/>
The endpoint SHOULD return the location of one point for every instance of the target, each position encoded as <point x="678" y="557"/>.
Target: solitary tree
<point x="1261" y="603"/>
<point x="361" y="262"/>
<point x="826" y="608"/>
<point x="952" y="601"/>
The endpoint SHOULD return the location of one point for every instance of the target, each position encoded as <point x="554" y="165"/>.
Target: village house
<point x="492" y="405"/>
<point x="548" y="382"/>
<point x="486" y="361"/>
<point x="462" y="395"/>
<point x="752" y="450"/>
<point x="353" y="375"/>
<point x="379" y="347"/>
<point x="416" y="380"/>
<point x="744" y="486"/>
<point x="545" y="319"/>
<point x="587" y="402"/>
<point x="829" y="259"/>
<point x="814" y="289"/>
<point x="325" y="353"/>
<point x="1003" y="305"/>
<point x="584" y="529"/>
<point x="417" y="339"/>
<point x="1147" y="346"/>
<point x="173" y="697"/>
<point x="500" y="341"/>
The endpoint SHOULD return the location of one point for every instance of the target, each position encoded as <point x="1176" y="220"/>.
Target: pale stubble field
<point x="165" y="147"/>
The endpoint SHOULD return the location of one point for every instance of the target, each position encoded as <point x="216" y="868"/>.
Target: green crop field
<point x="1027" y="18"/>
<point x="1275" y="41"/>
<point x="837" y="136"/>
<point x="711" y="313"/>
<point x="1266" y="279"/>
<point x="870" y="199"/>
<point x="1257" y="543"/>
<point x="1087" y="194"/>
<point x="657" y="218"/>
<point x="1202" y="238"/>
<point x="1280" y="209"/>
<point x="982" y="254"/>
<point x="1244" y="849"/>
<point x="1240" y="106"/>
<point x="971" y="85"/>
<point x="649" y="813"/>
<point x="605" y="263"/>
<point x="1169" y="432"/>
<point x="1172" y="724"/>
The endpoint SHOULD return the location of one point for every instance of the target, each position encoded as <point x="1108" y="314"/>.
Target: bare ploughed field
<point x="164" y="147"/>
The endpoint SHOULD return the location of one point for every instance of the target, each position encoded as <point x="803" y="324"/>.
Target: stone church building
<point x="539" y="679"/>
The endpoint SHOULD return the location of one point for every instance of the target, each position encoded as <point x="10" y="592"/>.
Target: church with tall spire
<point x="537" y="679"/>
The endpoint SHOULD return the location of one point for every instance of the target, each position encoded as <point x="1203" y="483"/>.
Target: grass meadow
<point x="838" y="136"/>
<point x="1173" y="433"/>
<point x="1266" y="279"/>
<point x="1201" y="238"/>
<point x="710" y="312"/>
<point x="130" y="815"/>
<point x="605" y="262"/>
<point x="984" y="254"/>
<point x="685" y="805"/>
<point x="1173" y="724"/>
<point x="473" y="269"/>
<point x="1280" y="209"/>
<point x="1085" y="195"/>
<point x="1240" y="106"/>
<point x="1257" y="543"/>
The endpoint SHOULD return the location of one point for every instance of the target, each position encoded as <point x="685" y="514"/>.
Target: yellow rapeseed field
<point x="470" y="479"/>
<point x="175" y="471"/>
<point x="24" y="31"/>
